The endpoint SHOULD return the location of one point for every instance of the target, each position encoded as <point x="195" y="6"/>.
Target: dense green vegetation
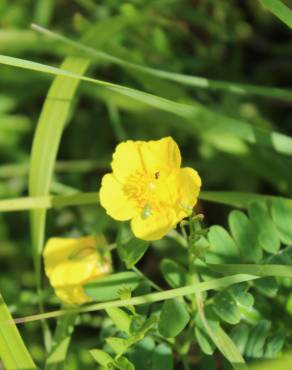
<point x="77" y="78"/>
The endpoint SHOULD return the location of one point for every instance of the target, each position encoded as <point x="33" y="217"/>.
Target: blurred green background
<point x="227" y="40"/>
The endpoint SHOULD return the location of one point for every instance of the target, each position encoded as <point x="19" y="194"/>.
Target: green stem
<point x="61" y="342"/>
<point x="152" y="283"/>
<point x="219" y="337"/>
<point x="147" y="298"/>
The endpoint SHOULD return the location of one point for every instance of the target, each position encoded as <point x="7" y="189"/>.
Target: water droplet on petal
<point x="147" y="211"/>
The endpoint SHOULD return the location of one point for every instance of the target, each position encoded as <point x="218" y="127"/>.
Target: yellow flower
<point x="148" y="187"/>
<point x="70" y="263"/>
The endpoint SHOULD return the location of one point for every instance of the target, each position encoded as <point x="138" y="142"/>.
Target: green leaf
<point x="141" y="353"/>
<point x="204" y="341"/>
<point x="280" y="10"/>
<point x="108" y="287"/>
<point x="266" y="230"/>
<point x="229" y="349"/>
<point x="132" y="251"/>
<point x="145" y="327"/>
<point x="222" y="341"/>
<point x="245" y="236"/>
<point x="226" y="308"/>
<point x="282" y="215"/>
<point x="101" y="357"/>
<point x="239" y="335"/>
<point x="242" y="297"/>
<point x="13" y="351"/>
<point x="162" y="358"/>
<point x="173" y="273"/>
<point x="123" y="363"/>
<point x="274" y="344"/>
<point x="222" y="247"/>
<point x="120" y="318"/>
<point x="118" y="345"/>
<point x="173" y="318"/>
<point x="257" y="338"/>
<point x="267" y="286"/>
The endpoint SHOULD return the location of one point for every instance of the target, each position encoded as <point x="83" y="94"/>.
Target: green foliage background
<point x="228" y="132"/>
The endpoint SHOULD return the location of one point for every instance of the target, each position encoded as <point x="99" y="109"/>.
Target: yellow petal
<point x="189" y="188"/>
<point x="73" y="295"/>
<point x="155" y="226"/>
<point x="160" y="155"/>
<point x="126" y="160"/>
<point x="70" y="261"/>
<point x="113" y="199"/>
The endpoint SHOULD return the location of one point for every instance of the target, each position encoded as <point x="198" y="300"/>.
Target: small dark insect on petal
<point x="156" y="175"/>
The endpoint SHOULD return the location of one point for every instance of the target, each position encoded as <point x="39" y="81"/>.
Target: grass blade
<point x="147" y="298"/>
<point x="195" y="81"/>
<point x="280" y="10"/>
<point x="200" y="119"/>
<point x="46" y="143"/>
<point x="13" y="352"/>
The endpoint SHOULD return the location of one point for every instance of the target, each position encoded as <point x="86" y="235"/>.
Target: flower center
<point x="147" y="191"/>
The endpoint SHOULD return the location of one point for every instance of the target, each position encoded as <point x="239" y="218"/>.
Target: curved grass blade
<point x="45" y="146"/>
<point x="46" y="143"/>
<point x="147" y="298"/>
<point x="198" y="82"/>
<point x="200" y="119"/>
<point x="13" y="351"/>
<point x="222" y="341"/>
<point x="280" y="10"/>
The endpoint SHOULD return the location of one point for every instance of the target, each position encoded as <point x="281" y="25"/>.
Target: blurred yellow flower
<point x="70" y="263"/>
<point x="149" y="187"/>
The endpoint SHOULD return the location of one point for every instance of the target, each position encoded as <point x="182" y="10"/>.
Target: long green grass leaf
<point x="46" y="143"/>
<point x="195" y="81"/>
<point x="280" y="10"/>
<point x="13" y="351"/>
<point x="45" y="146"/>
<point x="199" y="118"/>
<point x="221" y="340"/>
<point x="148" y="298"/>
<point x="230" y="350"/>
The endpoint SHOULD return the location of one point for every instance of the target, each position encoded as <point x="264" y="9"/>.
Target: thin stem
<point x="152" y="283"/>
<point x="147" y="298"/>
